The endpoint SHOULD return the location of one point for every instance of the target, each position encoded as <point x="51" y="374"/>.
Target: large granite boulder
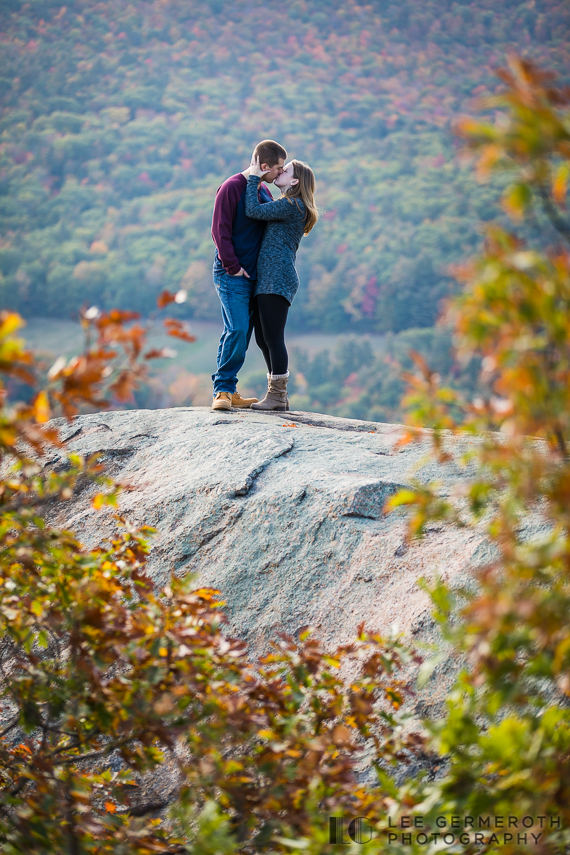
<point x="282" y="512"/>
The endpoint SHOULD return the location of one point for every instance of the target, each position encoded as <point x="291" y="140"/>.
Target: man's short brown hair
<point x="269" y="152"/>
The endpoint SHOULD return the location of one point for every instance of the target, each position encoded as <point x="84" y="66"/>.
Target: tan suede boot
<point x="242" y="403"/>
<point x="276" y="395"/>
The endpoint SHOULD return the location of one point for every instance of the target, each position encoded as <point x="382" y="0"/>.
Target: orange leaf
<point x="115" y="316"/>
<point x="420" y="362"/>
<point x="178" y="330"/>
<point x="165" y="298"/>
<point x="162" y="353"/>
<point x="110" y="807"/>
<point x="122" y="388"/>
<point x="560" y="184"/>
<point x="182" y="334"/>
<point x="341" y="735"/>
<point x="490" y="155"/>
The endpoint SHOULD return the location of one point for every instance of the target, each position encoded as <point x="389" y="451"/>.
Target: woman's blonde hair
<point x="305" y="191"/>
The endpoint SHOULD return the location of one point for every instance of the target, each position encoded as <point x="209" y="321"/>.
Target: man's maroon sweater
<point x="237" y="237"/>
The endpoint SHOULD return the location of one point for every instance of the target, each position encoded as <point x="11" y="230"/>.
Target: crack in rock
<point x="205" y="540"/>
<point x="250" y="480"/>
<point x="127" y="451"/>
<point x="85" y="431"/>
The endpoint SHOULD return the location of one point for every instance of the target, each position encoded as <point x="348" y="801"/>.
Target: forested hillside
<point x="119" y="120"/>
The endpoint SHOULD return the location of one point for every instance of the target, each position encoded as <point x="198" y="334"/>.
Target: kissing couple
<point x="254" y="271"/>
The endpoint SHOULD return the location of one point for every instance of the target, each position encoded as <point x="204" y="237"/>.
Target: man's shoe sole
<point x="242" y="405"/>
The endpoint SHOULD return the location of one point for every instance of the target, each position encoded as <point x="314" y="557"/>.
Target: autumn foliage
<point x="506" y="735"/>
<point x="107" y="683"/>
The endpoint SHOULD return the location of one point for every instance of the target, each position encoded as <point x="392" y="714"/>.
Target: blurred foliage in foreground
<point x="119" y="121"/>
<point x="506" y="735"/>
<point x="106" y="679"/>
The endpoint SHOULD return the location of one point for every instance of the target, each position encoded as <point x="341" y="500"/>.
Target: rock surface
<point x="282" y="512"/>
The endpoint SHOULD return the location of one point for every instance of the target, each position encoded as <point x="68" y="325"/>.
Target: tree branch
<point x="561" y="443"/>
<point x="94" y="755"/>
<point x="559" y="223"/>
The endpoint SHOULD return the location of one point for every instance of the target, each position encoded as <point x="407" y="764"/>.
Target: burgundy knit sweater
<point x="237" y="236"/>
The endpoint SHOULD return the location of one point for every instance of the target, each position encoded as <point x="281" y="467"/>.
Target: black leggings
<point x="269" y="319"/>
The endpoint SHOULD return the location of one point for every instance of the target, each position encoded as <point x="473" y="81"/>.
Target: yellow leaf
<point x="516" y="200"/>
<point x="42" y="410"/>
<point x="10" y="322"/>
<point x="104" y="499"/>
<point x="402" y="497"/>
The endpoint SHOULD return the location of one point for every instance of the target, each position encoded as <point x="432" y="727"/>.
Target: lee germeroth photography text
<point x="448" y="830"/>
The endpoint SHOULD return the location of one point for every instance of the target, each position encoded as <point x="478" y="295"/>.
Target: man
<point x="238" y="239"/>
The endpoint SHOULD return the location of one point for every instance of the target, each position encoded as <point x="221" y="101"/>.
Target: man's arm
<point x="225" y="206"/>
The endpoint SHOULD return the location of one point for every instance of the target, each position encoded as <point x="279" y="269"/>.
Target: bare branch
<point x="145" y="809"/>
<point x="12" y="725"/>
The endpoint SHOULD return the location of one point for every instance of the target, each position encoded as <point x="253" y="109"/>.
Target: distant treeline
<point x="119" y="121"/>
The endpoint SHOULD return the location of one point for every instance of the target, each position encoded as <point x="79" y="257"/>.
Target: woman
<point x="288" y="219"/>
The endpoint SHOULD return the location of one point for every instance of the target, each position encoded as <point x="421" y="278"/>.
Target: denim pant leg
<point x="235" y="297"/>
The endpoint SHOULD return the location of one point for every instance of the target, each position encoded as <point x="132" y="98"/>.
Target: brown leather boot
<point x="222" y="401"/>
<point x="242" y="403"/>
<point x="276" y="395"/>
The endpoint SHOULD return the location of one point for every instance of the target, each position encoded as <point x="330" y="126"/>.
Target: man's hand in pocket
<point x="241" y="272"/>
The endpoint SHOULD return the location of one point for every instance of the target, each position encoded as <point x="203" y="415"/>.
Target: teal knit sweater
<point x="285" y="220"/>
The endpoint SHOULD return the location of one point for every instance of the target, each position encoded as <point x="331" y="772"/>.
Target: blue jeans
<point x="235" y="293"/>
